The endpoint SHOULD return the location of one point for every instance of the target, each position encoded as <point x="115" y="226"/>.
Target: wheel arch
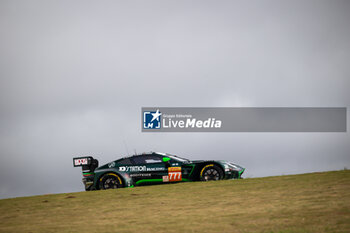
<point x="99" y="177"/>
<point x="202" y="165"/>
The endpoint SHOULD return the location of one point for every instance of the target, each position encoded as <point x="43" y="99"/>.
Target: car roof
<point x="144" y="154"/>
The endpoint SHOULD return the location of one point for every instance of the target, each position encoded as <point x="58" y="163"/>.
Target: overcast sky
<point x="75" y="74"/>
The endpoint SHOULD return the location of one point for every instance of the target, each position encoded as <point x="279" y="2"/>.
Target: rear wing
<point x="88" y="163"/>
<point x="81" y="161"/>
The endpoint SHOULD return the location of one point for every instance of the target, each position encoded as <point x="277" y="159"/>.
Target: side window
<point x="144" y="159"/>
<point x="125" y="161"/>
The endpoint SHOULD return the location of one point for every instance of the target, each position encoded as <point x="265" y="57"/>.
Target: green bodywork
<point x="162" y="168"/>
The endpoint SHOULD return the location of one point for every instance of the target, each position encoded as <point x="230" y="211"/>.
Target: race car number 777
<point x="174" y="174"/>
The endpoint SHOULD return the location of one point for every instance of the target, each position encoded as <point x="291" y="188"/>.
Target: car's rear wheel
<point x="110" y="181"/>
<point x="211" y="172"/>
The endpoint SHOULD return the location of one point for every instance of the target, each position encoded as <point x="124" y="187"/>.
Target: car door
<point x="151" y="169"/>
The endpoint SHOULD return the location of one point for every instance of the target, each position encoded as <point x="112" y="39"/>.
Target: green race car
<point x="152" y="168"/>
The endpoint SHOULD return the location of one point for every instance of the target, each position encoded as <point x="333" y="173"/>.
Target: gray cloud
<point x="74" y="76"/>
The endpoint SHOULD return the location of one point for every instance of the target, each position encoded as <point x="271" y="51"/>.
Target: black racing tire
<point x="211" y="172"/>
<point x="110" y="181"/>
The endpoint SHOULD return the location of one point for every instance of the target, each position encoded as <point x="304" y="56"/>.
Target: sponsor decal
<point x="156" y="169"/>
<point x="174" y="169"/>
<point x="140" y="174"/>
<point x="153" y="161"/>
<point x="165" y="178"/>
<point x="132" y="168"/>
<point x="112" y="164"/>
<point x="140" y="169"/>
<point x="78" y="162"/>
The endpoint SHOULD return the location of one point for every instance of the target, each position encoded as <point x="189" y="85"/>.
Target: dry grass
<point x="316" y="202"/>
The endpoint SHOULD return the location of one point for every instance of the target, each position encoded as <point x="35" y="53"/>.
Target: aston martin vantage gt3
<point x="152" y="168"/>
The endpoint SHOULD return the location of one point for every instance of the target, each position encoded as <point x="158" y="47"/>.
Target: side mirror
<point x="166" y="160"/>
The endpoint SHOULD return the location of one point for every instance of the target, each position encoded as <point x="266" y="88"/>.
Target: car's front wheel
<point x="110" y="181"/>
<point x="211" y="172"/>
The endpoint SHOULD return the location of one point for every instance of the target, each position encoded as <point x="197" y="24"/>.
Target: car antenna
<point x="126" y="147"/>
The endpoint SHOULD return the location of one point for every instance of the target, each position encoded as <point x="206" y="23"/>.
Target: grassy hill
<point x="316" y="202"/>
